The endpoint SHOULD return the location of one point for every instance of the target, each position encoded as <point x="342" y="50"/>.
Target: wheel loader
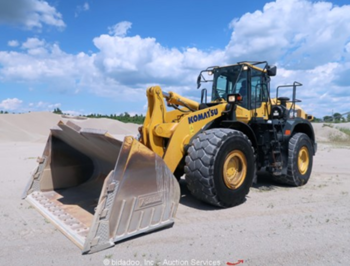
<point x="98" y="190"/>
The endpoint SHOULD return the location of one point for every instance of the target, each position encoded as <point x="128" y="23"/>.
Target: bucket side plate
<point x="139" y="196"/>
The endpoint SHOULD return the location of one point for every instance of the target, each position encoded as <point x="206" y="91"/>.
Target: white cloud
<point x="11" y="104"/>
<point x="30" y="14"/>
<point x="347" y="47"/>
<point x="309" y="41"/>
<point x="44" y="106"/>
<point x="18" y="105"/>
<point x="86" y="6"/>
<point x="35" y="47"/>
<point x="82" y="8"/>
<point x="296" y="33"/>
<point x="41" y="106"/>
<point x="33" y="43"/>
<point x="320" y="93"/>
<point x="120" y="29"/>
<point x="43" y="62"/>
<point x="135" y="60"/>
<point x="13" y="43"/>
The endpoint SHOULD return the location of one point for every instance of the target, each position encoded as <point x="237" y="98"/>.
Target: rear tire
<point x="300" y="159"/>
<point x="220" y="167"/>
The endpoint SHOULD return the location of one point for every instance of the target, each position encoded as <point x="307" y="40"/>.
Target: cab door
<point x="258" y="94"/>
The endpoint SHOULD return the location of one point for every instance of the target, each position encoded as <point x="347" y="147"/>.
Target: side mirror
<point x="199" y="81"/>
<point x="272" y="71"/>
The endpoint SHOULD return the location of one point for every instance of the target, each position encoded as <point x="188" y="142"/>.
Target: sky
<point x="100" y="56"/>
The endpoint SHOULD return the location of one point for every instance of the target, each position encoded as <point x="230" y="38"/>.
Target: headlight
<point x="231" y="98"/>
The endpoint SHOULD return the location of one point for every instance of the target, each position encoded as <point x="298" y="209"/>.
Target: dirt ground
<point x="276" y="225"/>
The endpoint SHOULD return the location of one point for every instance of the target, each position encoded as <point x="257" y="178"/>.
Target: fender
<point x="299" y="125"/>
<point x="247" y="130"/>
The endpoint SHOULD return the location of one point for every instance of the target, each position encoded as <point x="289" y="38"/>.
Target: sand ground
<point x="277" y="225"/>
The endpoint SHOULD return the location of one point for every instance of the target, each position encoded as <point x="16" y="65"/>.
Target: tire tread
<point x="199" y="168"/>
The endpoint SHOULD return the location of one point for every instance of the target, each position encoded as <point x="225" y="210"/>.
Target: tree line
<point x="139" y="119"/>
<point x="123" y="117"/>
<point x="337" y="117"/>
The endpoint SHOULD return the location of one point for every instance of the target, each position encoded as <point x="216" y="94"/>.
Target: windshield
<point x="225" y="81"/>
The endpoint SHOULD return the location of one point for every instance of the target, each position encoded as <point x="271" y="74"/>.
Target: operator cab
<point x="245" y="78"/>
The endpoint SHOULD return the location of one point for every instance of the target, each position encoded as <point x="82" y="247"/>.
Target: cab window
<point x="223" y="87"/>
<point x="258" y="89"/>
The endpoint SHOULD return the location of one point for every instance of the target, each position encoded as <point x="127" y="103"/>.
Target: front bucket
<point x="98" y="190"/>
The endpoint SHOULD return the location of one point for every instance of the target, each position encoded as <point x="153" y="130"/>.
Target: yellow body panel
<point x="175" y="115"/>
<point x="299" y="111"/>
<point x="174" y="126"/>
<point x="155" y="115"/>
<point x="188" y="126"/>
<point x="244" y="115"/>
<point x="249" y="65"/>
<point x="165" y="130"/>
<point x="175" y="98"/>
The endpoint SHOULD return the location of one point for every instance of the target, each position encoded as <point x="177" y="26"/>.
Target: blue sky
<point x="100" y="56"/>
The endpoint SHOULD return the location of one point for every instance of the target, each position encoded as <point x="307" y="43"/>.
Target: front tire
<point x="220" y="167"/>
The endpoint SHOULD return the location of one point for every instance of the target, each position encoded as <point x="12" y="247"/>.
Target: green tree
<point x="327" y="118"/>
<point x="57" y="111"/>
<point x="123" y="117"/>
<point x="348" y="118"/>
<point x="337" y="117"/>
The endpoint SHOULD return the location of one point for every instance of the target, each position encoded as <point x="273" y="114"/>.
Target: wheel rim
<point x="303" y="160"/>
<point x="235" y="169"/>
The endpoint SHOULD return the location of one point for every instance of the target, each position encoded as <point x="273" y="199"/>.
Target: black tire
<point x="300" y="150"/>
<point x="205" y="165"/>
